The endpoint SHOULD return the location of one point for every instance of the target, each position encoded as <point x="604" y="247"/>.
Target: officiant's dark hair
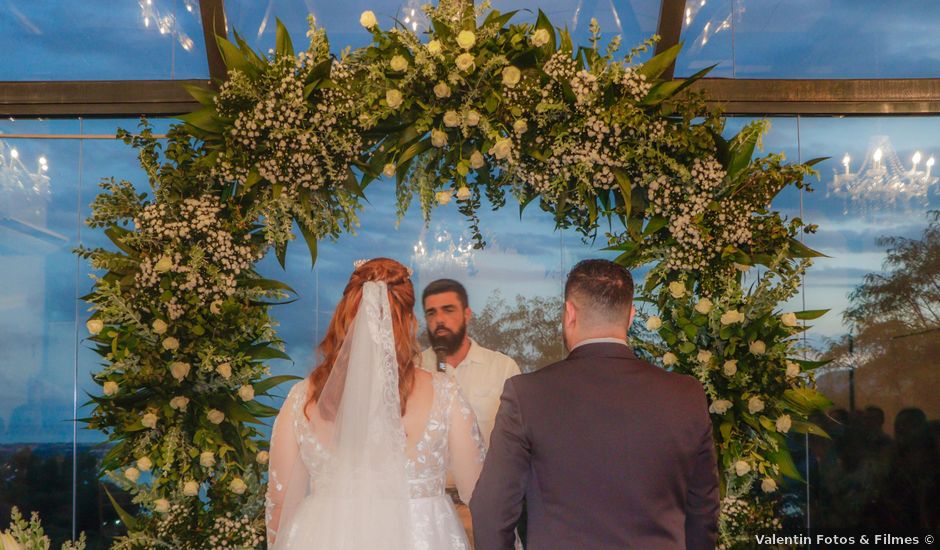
<point x="607" y="287"/>
<point x="441" y="286"/>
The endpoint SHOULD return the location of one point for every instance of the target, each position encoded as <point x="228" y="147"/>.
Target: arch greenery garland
<point x="480" y="108"/>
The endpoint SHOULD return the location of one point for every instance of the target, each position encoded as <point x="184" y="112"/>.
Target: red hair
<point x="401" y="298"/>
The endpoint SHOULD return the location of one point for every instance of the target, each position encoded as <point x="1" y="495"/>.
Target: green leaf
<point x="810" y="314"/>
<point x="116" y="234"/>
<point x="260" y="410"/>
<point x="497" y="19"/>
<point x="810" y="365"/>
<point x="806" y="400"/>
<point x="204" y="119"/>
<point x="782" y="458"/>
<point x="267" y="284"/>
<point x="280" y="250"/>
<point x="542" y="22"/>
<point x="815" y="161"/>
<point x="237" y="412"/>
<point x="725" y="430"/>
<point x="283" y="44"/>
<point x="263" y="352"/>
<point x="800" y="250"/>
<point x="741" y="151"/>
<point x="205" y="96"/>
<point x="658" y="64"/>
<point x="686" y="347"/>
<point x="263" y="386"/>
<point x="311" y="241"/>
<point x="128" y="519"/>
<point x="655" y="224"/>
<point x="232" y="56"/>
<point x="808" y="428"/>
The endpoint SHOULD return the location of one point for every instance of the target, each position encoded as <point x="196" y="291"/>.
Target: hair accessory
<point x="358" y="263"/>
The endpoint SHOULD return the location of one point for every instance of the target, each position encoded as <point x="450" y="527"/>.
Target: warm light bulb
<point x="877" y="155"/>
<point x="14" y="153"/>
<point x="930" y="161"/>
<point x="42" y="160"/>
<point x="846" y="159"/>
<point x="44" y="167"/>
<point x="916" y="158"/>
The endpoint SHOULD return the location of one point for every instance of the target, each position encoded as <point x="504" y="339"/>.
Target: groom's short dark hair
<point x="603" y="287"/>
<point x="441" y="286"/>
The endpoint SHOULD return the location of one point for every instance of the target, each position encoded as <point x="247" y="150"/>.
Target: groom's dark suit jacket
<point x="608" y="451"/>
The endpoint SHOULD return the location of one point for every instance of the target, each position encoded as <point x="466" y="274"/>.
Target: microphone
<point x="441" y="353"/>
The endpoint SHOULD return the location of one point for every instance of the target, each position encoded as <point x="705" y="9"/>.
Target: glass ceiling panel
<point x="101" y="40"/>
<point x="811" y="38"/>
<point x="634" y="20"/>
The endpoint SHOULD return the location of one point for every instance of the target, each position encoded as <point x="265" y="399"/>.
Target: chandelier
<point x="882" y="179"/>
<point x="443" y="254"/>
<point x="166" y="23"/>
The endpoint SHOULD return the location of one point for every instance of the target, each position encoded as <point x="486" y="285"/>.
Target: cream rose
<point x="398" y="63"/>
<point x="472" y="118"/>
<point x="476" y="160"/>
<point x="94" y="326"/>
<point x="161" y="506"/>
<point x="703" y="306"/>
<point x="511" y="76"/>
<point x="540" y="37"/>
<point x="207" y="459"/>
<point x="677" y="289"/>
<point x="224" y="370"/>
<point x="464" y="62"/>
<point x="793" y="369"/>
<point x="654" y="323"/>
<point x="179" y="403"/>
<point x="110" y="387"/>
<point x="393" y="98"/>
<point x="731" y="317"/>
<point x="758" y="347"/>
<point x="158" y="326"/>
<point x="755" y="405"/>
<point x="215" y="307"/>
<point x="434" y="47"/>
<point x="389" y="169"/>
<point x="466" y="39"/>
<point x="442" y="90"/>
<point x="788" y="319"/>
<point x="742" y="468"/>
<point x="9" y="542"/>
<point x="784" y="423"/>
<point x="520" y="126"/>
<point x="670" y="358"/>
<point x="149" y="420"/>
<point x="237" y="486"/>
<point x="132" y="474"/>
<point x="768" y="485"/>
<point x="179" y="370"/>
<point x="451" y="119"/>
<point x="442" y="197"/>
<point x="262" y="457"/>
<point x="463" y="193"/>
<point x="171" y="344"/>
<point x="368" y="20"/>
<point x="719" y="406"/>
<point x="246" y="392"/>
<point x="191" y="488"/>
<point x="438" y="138"/>
<point x="144" y="464"/>
<point x="502" y="149"/>
<point x="730" y="367"/>
<point x="704" y="356"/>
<point x="215" y="416"/>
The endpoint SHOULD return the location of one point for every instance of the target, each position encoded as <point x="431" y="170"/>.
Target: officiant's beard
<point x="450" y="341"/>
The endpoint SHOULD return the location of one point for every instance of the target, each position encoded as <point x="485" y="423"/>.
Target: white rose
<point x="144" y="464"/>
<point x="132" y="473"/>
<point x="788" y="319"/>
<point x="502" y="149"/>
<point x="149" y="420"/>
<point x="703" y="306"/>
<point x="398" y="63"/>
<point x="719" y="406"/>
<point x="215" y="416"/>
<point x="793" y="369"/>
<point x="768" y="485"/>
<point x="670" y="358"/>
<point x="463" y="193"/>
<point x="215" y="307"/>
<point x="520" y="126"/>
<point x="438" y="138"/>
<point x="741" y="468"/>
<point x="704" y="356"/>
<point x="472" y="118"/>
<point x="367" y="19"/>
<point x="179" y="370"/>
<point x="466" y="39"/>
<point x="161" y="506"/>
<point x="730" y="367"/>
<point x="237" y="486"/>
<point x="442" y="90"/>
<point x="262" y="457"/>
<point x="511" y="76"/>
<point x="464" y="62"/>
<point x="171" y="344"/>
<point x="434" y="47"/>
<point x="451" y="119"/>
<point x="476" y="160"/>
<point x="164" y="264"/>
<point x="755" y="405"/>
<point x="224" y="370"/>
<point x="110" y="387"/>
<point x="389" y="169"/>
<point x="654" y="323"/>
<point x="179" y="403"/>
<point x="731" y="317"/>
<point x="758" y="347"/>
<point x="191" y="488"/>
<point x="207" y="459"/>
<point x="540" y="37"/>
<point x="94" y="326"/>
<point x="393" y="98"/>
<point x="443" y="197"/>
<point x="677" y="289"/>
<point x="246" y="392"/>
<point x="784" y="423"/>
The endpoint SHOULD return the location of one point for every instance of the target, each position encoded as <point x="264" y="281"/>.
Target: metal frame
<point x="122" y="98"/>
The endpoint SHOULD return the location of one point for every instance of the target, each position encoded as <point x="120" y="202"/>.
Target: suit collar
<point x="602" y="349"/>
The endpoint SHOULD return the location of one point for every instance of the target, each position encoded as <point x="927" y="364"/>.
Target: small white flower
<point x="511" y="76"/>
<point x="434" y="47"/>
<point x="755" y="405"/>
<point x="224" y="370"/>
<point x="144" y="464"/>
<point x="398" y="63"/>
<point x="784" y="423"/>
<point x="171" y="344"/>
<point x="438" y="138"/>
<point x="677" y="289"/>
<point x="670" y="358"/>
<point x="159" y="326"/>
<point x="463" y="193"/>
<point x="719" y="406"/>
<point x="703" y="306"/>
<point x="501" y="149"/>
<point x="215" y="307"/>
<point x="472" y="118"/>
<point x="161" y="506"/>
<point x="793" y="369"/>
<point x="730" y="367"/>
<point x="215" y="416"/>
<point x="149" y="420"/>
<point x="768" y="485"/>
<point x="443" y="197"/>
<point x="94" y="326"/>
<point x="394" y="98"/>
<point x="451" y="119"/>
<point x="246" y="392"/>
<point x="389" y="169"/>
<point x="367" y="19"/>
<point x="731" y="317"/>
<point x="464" y="62"/>
<point x="110" y="387"/>
<point x="207" y="459"/>
<point x="237" y="486"/>
<point x="520" y="126"/>
<point x="758" y="347"/>
<point x="132" y="473"/>
<point x="540" y="37"/>
<point x="191" y="488"/>
<point x="654" y="322"/>
<point x="179" y="403"/>
<point x="476" y="160"/>
<point x="704" y="356"/>
<point x="179" y="370"/>
<point x="466" y="39"/>
<point x="442" y="90"/>
<point x="742" y="468"/>
<point x="262" y="457"/>
<point x="164" y="264"/>
<point x="788" y="319"/>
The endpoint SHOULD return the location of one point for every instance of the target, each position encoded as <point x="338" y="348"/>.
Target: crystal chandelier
<point x="882" y="179"/>
<point x="166" y="23"/>
<point x="443" y="254"/>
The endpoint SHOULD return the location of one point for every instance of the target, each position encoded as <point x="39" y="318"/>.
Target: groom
<point x="609" y="452"/>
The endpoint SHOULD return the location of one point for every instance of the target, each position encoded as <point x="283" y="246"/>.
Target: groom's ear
<point x="571" y="313"/>
<point x="631" y="316"/>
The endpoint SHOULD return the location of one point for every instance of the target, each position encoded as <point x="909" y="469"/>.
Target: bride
<point x="361" y="447"/>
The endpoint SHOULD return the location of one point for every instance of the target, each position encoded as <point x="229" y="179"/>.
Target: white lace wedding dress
<point x="329" y="490"/>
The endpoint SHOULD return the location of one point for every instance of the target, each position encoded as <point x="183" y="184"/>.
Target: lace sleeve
<point x="287" y="477"/>
<point x="466" y="448"/>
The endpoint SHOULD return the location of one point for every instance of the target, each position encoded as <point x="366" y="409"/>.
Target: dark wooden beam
<point x="212" y="13"/>
<point x="669" y="28"/>
<point x="93" y="98"/>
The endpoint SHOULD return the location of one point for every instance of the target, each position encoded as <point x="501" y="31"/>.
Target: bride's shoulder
<point x="298" y="392"/>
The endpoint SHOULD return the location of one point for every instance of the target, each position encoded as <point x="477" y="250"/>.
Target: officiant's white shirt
<point x="480" y="377"/>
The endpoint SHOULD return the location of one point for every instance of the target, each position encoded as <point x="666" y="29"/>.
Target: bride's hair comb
<point x="358" y="263"/>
